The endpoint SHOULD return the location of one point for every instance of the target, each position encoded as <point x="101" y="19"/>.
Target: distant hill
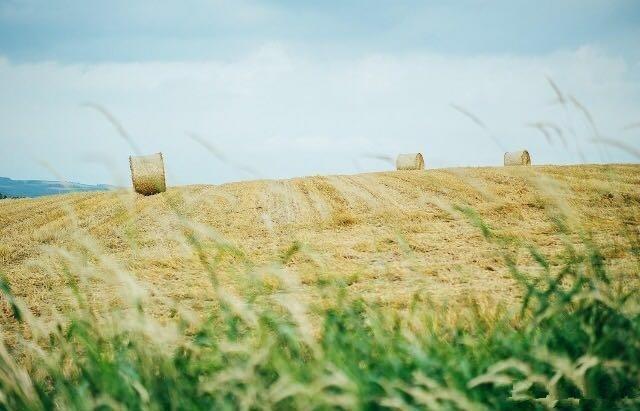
<point x="39" y="188"/>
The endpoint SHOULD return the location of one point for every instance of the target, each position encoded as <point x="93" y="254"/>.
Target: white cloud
<point x="290" y="114"/>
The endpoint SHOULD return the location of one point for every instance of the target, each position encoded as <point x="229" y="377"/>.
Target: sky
<point x="236" y="90"/>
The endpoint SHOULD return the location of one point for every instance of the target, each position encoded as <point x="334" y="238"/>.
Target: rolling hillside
<point x="39" y="188"/>
<point x="388" y="235"/>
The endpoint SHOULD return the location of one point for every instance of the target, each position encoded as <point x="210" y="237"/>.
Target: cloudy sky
<point x="233" y="90"/>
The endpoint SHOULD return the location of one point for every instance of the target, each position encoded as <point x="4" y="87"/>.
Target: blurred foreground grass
<point x="574" y="344"/>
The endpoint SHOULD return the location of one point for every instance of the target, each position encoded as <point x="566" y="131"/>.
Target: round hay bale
<point x="517" y="158"/>
<point x="147" y="174"/>
<point x="411" y="161"/>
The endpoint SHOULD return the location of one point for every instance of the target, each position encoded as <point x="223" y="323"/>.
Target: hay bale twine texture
<point x="147" y="174"/>
<point x="411" y="161"/>
<point x="517" y="158"/>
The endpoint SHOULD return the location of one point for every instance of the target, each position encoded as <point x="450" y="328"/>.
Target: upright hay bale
<point x="147" y="174"/>
<point x="517" y="158"/>
<point x="411" y="161"/>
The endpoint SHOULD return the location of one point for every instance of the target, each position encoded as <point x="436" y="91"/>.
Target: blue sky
<point x="299" y="88"/>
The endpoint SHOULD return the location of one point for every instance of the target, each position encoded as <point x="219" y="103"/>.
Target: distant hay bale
<point x="411" y="161"/>
<point x="147" y="174"/>
<point x="517" y="158"/>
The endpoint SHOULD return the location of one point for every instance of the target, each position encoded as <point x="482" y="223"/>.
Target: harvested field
<point x="388" y="235"/>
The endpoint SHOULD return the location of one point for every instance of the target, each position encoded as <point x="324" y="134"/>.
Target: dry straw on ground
<point x="411" y="161"/>
<point x="387" y="235"/>
<point x="147" y="174"/>
<point x="517" y="158"/>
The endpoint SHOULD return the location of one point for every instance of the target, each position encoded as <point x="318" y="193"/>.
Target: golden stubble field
<point x="387" y="235"/>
